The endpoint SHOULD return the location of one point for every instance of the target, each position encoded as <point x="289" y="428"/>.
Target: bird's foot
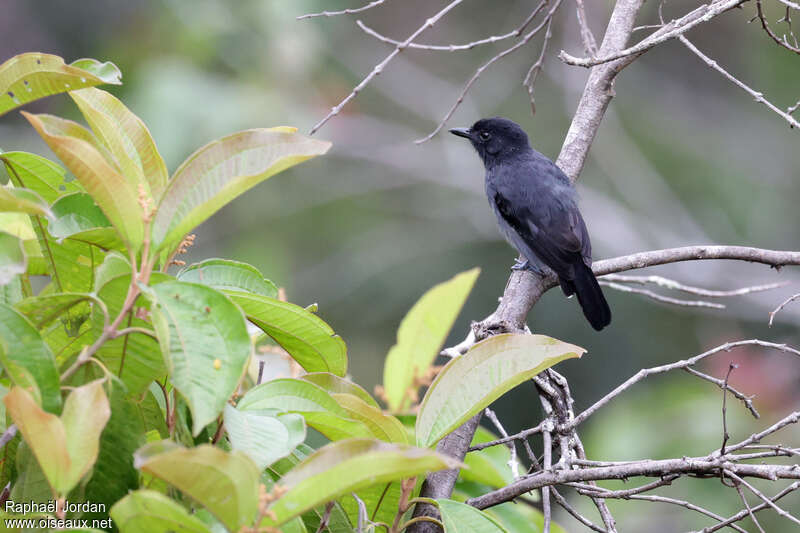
<point x="525" y="265"/>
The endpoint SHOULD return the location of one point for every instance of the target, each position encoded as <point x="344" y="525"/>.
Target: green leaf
<point x="114" y="265"/>
<point x="113" y="475"/>
<point x="12" y="258"/>
<point x="307" y="338"/>
<point x="474" y="380"/>
<point x="381" y="426"/>
<point x="77" y="217"/>
<point x="206" y="347"/>
<point x="38" y="174"/>
<point x="28" y="77"/>
<point x="334" y="384"/>
<point x="27" y="350"/>
<point x="22" y="201"/>
<point x="489" y="466"/>
<point x="42" y="310"/>
<point x="116" y="196"/>
<point x="459" y="517"/>
<point x="222" y="170"/>
<point x="126" y="137"/>
<point x="265" y="436"/>
<point x="224" y="483"/>
<point x="349" y="465"/>
<point x="421" y="336"/>
<point x="231" y="275"/>
<point x="66" y="447"/>
<point x="148" y="511"/>
<point x="318" y="408"/>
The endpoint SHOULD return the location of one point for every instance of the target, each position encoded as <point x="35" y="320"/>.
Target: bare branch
<point x="757" y="96"/>
<point x="764" y="498"/>
<point x="672" y="284"/>
<point x="560" y="500"/>
<point x="589" y="42"/>
<point x="536" y="68"/>
<point x="669" y="31"/>
<point x="741" y="514"/>
<point x="738" y="487"/>
<point x="513" y="463"/>
<point x="660" y="298"/>
<point x="746" y="400"/>
<point x="457" y="47"/>
<point x="342" y="12"/>
<point x="380" y="66"/>
<point x="522" y="435"/>
<point x="783" y="304"/>
<point x="528" y="36"/>
<point x="645" y="372"/>
<point x="781" y="42"/>
<point x="725" y="435"/>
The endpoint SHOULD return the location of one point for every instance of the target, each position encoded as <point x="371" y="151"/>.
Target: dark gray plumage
<point x="537" y="210"/>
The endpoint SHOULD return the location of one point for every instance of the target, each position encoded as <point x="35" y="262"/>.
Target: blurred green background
<point x="683" y="157"/>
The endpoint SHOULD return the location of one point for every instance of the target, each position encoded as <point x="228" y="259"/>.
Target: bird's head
<point x="495" y="138"/>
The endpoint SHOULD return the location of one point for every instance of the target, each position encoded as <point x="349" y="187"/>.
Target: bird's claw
<point x="525" y="265"/>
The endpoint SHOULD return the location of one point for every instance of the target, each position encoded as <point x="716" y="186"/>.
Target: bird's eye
<point x="485" y="135"/>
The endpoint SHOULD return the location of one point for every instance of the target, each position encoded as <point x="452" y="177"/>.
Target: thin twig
<point x="536" y="68"/>
<point x="783" y="304"/>
<point x="342" y="12"/>
<point x="746" y="400"/>
<point x="456" y="47"/>
<point x="560" y="500"/>
<point x="326" y="516"/>
<point x="757" y="96"/>
<point x="642" y="374"/>
<point x="528" y="36"/>
<point x="661" y="298"/>
<point x="699" y="291"/>
<point x="513" y="463"/>
<point x="738" y="488"/>
<point x="670" y="30"/>
<point x="522" y="435"/>
<point x="781" y="42"/>
<point x="8" y="434"/>
<point x="589" y="42"/>
<point x="380" y="66"/>
<point x="725" y="435"/>
<point x="743" y="513"/>
<point x="766" y="500"/>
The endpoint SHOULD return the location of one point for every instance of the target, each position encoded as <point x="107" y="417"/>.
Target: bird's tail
<point x="591" y="298"/>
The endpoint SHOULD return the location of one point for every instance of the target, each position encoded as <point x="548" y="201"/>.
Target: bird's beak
<point x="461" y="132"/>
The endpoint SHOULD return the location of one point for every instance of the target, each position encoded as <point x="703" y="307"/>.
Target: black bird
<point x="537" y="210"/>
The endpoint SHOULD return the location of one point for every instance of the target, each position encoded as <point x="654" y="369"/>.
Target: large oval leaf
<point x="26" y="349"/>
<point x="116" y="196"/>
<point x="471" y="382"/>
<point x="77" y="217"/>
<point x="126" y="137"/>
<point x="206" y="347"/>
<point x="459" y="517"/>
<point x="230" y="275"/>
<point x="307" y="338"/>
<point x="265" y="436"/>
<point x="318" y="408"/>
<point x="224" y="483"/>
<point x="66" y="447"/>
<point x="349" y="465"/>
<point x="222" y="170"/>
<point x="38" y="174"/>
<point x="421" y="336"/>
<point x="148" y="511"/>
<point x="27" y="77"/>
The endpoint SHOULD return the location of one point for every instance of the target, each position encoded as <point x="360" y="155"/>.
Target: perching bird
<point x="537" y="210"/>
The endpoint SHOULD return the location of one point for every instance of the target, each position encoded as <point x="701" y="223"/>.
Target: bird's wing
<point x="550" y="226"/>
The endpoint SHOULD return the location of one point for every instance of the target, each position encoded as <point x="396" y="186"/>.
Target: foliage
<point x="128" y="384"/>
